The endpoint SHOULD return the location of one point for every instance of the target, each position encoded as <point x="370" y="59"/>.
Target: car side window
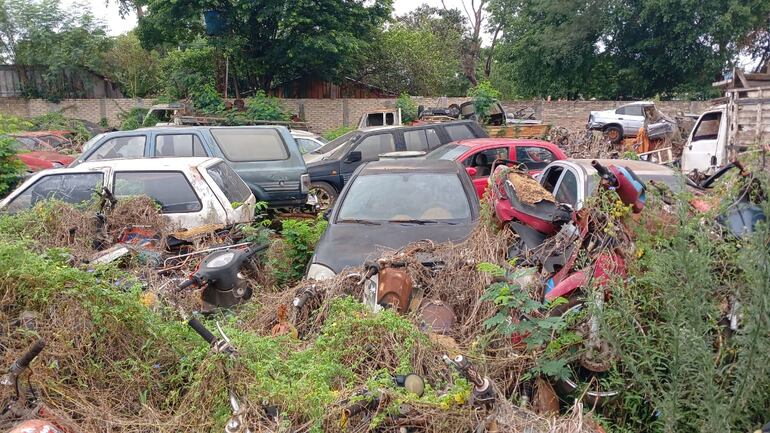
<point x="373" y="146"/>
<point x="120" y="147"/>
<point x="708" y="127"/>
<point x="416" y="140"/>
<point x="551" y="178"/>
<point x="72" y="188"/>
<point x="178" y="145"/>
<point x="534" y="157"/>
<point x="567" y="190"/>
<point x="459" y="132"/>
<point x="482" y="161"/>
<point x="621" y="110"/>
<point x="635" y="110"/>
<point x="433" y="139"/>
<point x="169" y="188"/>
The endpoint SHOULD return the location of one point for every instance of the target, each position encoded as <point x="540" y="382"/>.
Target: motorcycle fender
<point x="567" y="286"/>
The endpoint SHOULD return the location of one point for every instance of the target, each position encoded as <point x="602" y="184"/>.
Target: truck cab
<point x="706" y="146"/>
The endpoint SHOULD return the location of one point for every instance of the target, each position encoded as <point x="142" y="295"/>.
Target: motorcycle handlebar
<point x="253" y="250"/>
<point x="32" y="353"/>
<point x="202" y="330"/>
<point x="187" y="283"/>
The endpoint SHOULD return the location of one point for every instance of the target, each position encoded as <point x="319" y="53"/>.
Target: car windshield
<point x="27" y="144"/>
<point x="410" y="198"/>
<point x="449" y="151"/>
<point x="342" y="139"/>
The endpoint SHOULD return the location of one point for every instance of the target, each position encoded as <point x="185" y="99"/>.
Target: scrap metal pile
<point x="428" y="338"/>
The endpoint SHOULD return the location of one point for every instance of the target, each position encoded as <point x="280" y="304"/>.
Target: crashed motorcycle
<point x="219" y="277"/>
<point x="550" y="238"/>
<point x="26" y="412"/>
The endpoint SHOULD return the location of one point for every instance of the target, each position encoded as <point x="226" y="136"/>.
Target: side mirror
<point x="326" y="214"/>
<point x="471" y="171"/>
<point x="354" y="156"/>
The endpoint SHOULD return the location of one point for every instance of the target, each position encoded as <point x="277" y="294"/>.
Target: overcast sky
<point x="109" y="14"/>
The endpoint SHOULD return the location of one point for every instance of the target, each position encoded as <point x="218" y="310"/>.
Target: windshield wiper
<point x="414" y="221"/>
<point x="360" y="221"/>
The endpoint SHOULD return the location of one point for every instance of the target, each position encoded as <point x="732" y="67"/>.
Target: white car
<point x="622" y="121"/>
<point x="307" y="141"/>
<point x="191" y="192"/>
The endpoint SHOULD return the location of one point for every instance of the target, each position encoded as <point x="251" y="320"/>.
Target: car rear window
<point x="71" y="188"/>
<point x="250" y="144"/>
<point x="459" y="132"/>
<point x="170" y="189"/>
<point x="406" y="197"/>
<point x="229" y="182"/>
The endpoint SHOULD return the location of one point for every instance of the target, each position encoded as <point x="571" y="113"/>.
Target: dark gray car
<point x="267" y="158"/>
<point x="389" y="204"/>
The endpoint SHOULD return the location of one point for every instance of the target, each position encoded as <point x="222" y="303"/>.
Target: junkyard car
<point x="331" y="166"/>
<point x="307" y="141"/>
<point x="626" y="120"/>
<point x="571" y="181"/>
<point x="391" y="204"/>
<point x="480" y="153"/>
<point x="38" y="153"/>
<point x="267" y="158"/>
<point x="191" y="192"/>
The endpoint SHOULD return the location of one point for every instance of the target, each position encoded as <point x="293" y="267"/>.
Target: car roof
<point x="421" y="126"/>
<point x="145" y="164"/>
<point x="476" y="142"/>
<point x="302" y="133"/>
<point x="638" y="167"/>
<point x="639" y="103"/>
<point x="410" y="165"/>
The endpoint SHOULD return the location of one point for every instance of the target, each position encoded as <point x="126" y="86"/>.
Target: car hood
<point x="603" y="112"/>
<point x="346" y="245"/>
<point x="313" y="157"/>
<point x="43" y="159"/>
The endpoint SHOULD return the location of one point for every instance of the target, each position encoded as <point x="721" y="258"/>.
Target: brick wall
<point x="326" y="114"/>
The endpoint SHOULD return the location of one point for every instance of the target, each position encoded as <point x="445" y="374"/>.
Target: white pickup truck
<point x="739" y="125"/>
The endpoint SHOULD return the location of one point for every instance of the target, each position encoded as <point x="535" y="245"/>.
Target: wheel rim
<point x="325" y="199"/>
<point x="613" y="134"/>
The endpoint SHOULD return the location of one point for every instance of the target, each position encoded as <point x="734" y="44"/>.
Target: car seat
<point x="482" y="165"/>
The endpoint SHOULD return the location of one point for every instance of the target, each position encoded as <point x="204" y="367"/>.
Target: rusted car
<point x="42" y="150"/>
<point x="191" y="192"/>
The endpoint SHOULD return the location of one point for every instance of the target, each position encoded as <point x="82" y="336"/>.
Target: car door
<point x="481" y="161"/>
<point x="703" y="144"/>
<point x="421" y="140"/>
<point x="178" y="144"/>
<point x="73" y="188"/>
<point x="632" y="119"/>
<point x="122" y="147"/>
<point x="369" y="148"/>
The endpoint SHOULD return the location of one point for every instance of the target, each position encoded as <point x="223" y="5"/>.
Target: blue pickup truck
<point x="267" y="158"/>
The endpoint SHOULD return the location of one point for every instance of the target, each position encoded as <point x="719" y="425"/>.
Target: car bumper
<point x="594" y="125"/>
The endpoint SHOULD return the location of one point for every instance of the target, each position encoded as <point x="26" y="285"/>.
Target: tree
<point x="133" y="68"/>
<point x="42" y="33"/>
<point x="621" y="48"/>
<point x="188" y="70"/>
<point x="419" y="53"/>
<point x="271" y="41"/>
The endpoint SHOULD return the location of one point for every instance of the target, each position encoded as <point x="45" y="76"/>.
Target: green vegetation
<point x="483" y="96"/>
<point x="299" y="237"/>
<point x="408" y="108"/>
<point x="11" y="167"/>
<point x="58" y="121"/>
<point x="336" y="132"/>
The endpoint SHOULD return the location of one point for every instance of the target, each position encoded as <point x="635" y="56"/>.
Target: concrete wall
<point x="326" y="114"/>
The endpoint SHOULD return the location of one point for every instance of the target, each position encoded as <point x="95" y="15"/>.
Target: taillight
<point x="304" y="183"/>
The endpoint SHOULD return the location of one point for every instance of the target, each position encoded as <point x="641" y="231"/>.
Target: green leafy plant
<point x="408" y="108"/>
<point x="263" y="107"/>
<point x="11" y="167"/>
<point x="336" y="132"/>
<point x="299" y="239"/>
<point x="206" y="99"/>
<point x="484" y="96"/>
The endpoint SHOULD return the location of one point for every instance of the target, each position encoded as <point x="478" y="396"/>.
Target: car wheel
<point x="614" y="133"/>
<point x="324" y="193"/>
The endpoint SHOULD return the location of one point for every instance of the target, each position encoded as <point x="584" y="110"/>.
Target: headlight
<point x="320" y="272"/>
<point x="370" y="293"/>
<point x="304" y="183"/>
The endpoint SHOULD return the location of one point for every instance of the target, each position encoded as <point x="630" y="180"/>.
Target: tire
<point x="324" y="193"/>
<point x="614" y="133"/>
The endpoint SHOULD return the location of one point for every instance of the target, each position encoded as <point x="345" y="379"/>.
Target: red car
<point x="480" y="153"/>
<point x="37" y="152"/>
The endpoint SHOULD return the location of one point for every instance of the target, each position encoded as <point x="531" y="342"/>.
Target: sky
<point x="117" y="25"/>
